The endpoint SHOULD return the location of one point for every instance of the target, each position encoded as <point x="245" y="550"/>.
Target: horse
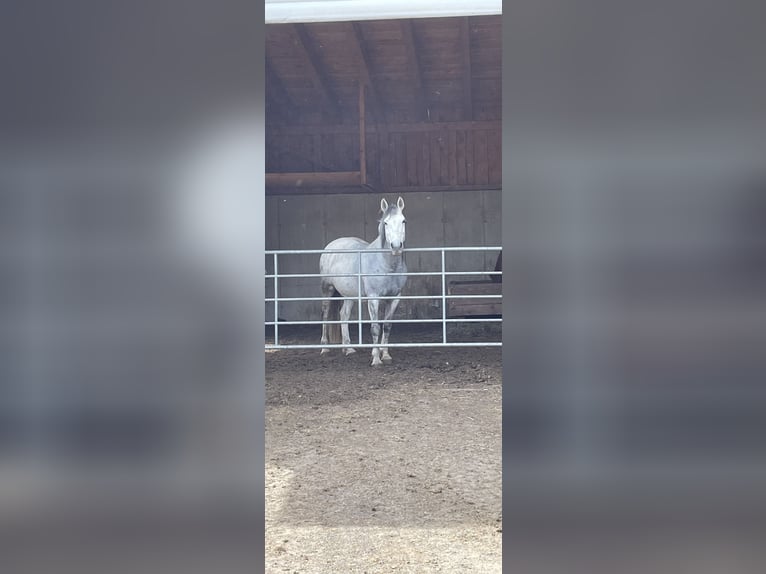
<point x="391" y="235"/>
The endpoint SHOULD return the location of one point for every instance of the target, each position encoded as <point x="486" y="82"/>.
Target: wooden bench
<point x="468" y="307"/>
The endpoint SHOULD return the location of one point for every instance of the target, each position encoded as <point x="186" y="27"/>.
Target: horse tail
<point x="333" y="329"/>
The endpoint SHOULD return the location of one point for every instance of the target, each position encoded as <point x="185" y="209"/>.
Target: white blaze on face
<point x="394" y="225"/>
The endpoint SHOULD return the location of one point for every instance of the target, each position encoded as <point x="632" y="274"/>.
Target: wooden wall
<point x="400" y="157"/>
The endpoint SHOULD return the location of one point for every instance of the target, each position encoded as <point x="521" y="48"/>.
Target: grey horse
<point x="344" y="290"/>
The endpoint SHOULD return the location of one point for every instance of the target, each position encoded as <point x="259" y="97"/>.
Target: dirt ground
<point x="388" y="469"/>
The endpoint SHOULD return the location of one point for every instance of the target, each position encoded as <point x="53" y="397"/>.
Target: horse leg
<point x="393" y="304"/>
<point x="373" y="305"/>
<point x="345" y="313"/>
<point x="327" y="291"/>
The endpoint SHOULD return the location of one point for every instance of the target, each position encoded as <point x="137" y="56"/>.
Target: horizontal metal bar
<point x="368" y="321"/>
<point x="408" y="249"/>
<point x="271" y="299"/>
<point x="412" y="273"/>
<point x="400" y="345"/>
<point x="366" y="298"/>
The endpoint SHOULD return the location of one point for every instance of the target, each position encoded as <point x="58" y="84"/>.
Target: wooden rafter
<point x="465" y="30"/>
<point x="276" y="92"/>
<point x="362" y="138"/>
<point x="317" y="70"/>
<point x="412" y="56"/>
<point x="364" y="71"/>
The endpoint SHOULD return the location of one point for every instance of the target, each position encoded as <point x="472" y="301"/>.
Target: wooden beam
<point x="362" y="137"/>
<point x="317" y="71"/>
<point x="317" y="190"/>
<point x="311" y="179"/>
<point x="315" y="160"/>
<point x="363" y="56"/>
<point x="465" y="29"/>
<point x="277" y="92"/>
<point x="309" y="187"/>
<point x="459" y="187"/>
<point x="411" y="47"/>
<point x="392" y="128"/>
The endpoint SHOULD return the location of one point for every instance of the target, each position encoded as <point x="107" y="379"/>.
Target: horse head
<point x="393" y="224"/>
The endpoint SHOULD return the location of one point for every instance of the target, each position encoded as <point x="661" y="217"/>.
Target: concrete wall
<point x="434" y="219"/>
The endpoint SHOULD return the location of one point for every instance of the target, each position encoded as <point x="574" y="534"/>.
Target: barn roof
<point x="414" y="70"/>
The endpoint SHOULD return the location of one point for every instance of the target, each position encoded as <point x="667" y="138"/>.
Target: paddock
<point x="396" y="469"/>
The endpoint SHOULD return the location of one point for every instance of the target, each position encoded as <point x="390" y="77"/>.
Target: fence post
<point x="359" y="296"/>
<point x="444" y="300"/>
<point x="276" y="300"/>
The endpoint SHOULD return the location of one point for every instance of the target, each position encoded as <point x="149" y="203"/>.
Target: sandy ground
<point x="389" y="469"/>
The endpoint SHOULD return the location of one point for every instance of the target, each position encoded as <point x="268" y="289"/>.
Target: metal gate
<point x="442" y="296"/>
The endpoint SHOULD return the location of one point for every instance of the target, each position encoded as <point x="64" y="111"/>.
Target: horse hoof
<point x="386" y="358"/>
<point x="376" y="362"/>
<point x="349" y="351"/>
<point x="324" y="351"/>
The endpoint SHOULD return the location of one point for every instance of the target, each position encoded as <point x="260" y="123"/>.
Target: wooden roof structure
<point x="329" y="84"/>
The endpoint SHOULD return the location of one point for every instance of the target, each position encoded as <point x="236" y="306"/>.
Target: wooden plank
<point x="307" y="189"/>
<point x="328" y="157"/>
<point x="431" y="188"/>
<point x="317" y="139"/>
<point x="425" y="158"/>
<point x="474" y="307"/>
<point x="481" y="172"/>
<point x="452" y="157"/>
<point x="392" y="127"/>
<point x="348" y="150"/>
<point x="413" y="151"/>
<point x="444" y="157"/>
<point x="318" y="190"/>
<point x="300" y="179"/>
<point x="306" y="153"/>
<point x="393" y="140"/>
<point x="384" y="159"/>
<point x="435" y="157"/>
<point x="401" y="160"/>
<point x="460" y="157"/>
<point x="373" y="160"/>
<point x="483" y="287"/>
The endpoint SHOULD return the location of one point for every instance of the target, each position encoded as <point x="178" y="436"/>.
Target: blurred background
<point x="634" y="327"/>
<point x="131" y="162"/>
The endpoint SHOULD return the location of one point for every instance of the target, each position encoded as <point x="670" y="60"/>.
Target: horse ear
<point x="400" y="203"/>
<point x="383" y="204"/>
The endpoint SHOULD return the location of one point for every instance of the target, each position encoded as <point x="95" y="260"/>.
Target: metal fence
<point x="443" y="297"/>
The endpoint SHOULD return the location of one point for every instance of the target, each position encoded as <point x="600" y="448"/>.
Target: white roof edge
<point x="292" y="11"/>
